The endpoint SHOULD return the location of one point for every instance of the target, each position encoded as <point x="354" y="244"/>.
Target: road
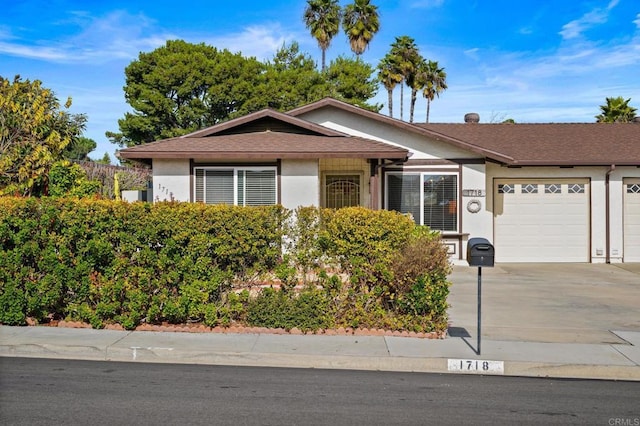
<point x="64" y="392"/>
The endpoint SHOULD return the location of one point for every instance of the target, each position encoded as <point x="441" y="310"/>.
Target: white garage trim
<point x="541" y="220"/>
<point x="631" y="218"/>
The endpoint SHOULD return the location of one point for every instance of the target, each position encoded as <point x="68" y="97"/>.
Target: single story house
<point x="540" y="192"/>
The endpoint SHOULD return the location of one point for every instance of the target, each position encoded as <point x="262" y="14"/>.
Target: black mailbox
<point x="480" y="252"/>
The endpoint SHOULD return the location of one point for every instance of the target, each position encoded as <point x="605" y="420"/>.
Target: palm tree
<point x="389" y="77"/>
<point x="360" y="23"/>
<point x="435" y="79"/>
<point x="406" y="55"/>
<point x="617" y="110"/>
<point x="417" y="81"/>
<point x="322" y="18"/>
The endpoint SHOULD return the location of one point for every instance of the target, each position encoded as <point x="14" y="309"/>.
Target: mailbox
<point x="480" y="252"/>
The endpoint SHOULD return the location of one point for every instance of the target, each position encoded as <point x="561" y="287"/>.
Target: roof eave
<point x="261" y="155"/>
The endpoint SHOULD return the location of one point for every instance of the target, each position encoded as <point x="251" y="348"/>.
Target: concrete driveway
<point x="559" y="302"/>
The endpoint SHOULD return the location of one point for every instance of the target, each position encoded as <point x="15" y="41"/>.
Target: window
<point x="239" y="186"/>
<point x="432" y="199"/>
<point x="342" y="191"/>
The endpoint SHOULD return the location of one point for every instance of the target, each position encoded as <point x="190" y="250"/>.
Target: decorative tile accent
<point x="633" y="188"/>
<point x="505" y="188"/>
<point x="576" y="188"/>
<point x="552" y="188"/>
<point x="530" y="188"/>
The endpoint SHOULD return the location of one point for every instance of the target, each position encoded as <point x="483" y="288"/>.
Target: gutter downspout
<point x="607" y="215"/>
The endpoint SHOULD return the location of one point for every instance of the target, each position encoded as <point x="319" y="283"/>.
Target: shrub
<point x="307" y="310"/>
<point x="105" y="262"/>
<point x="364" y="242"/>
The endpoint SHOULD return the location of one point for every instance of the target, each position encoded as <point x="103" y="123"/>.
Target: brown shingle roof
<point x="265" y="145"/>
<point x="552" y="143"/>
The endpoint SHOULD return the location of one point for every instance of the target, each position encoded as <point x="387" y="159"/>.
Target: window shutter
<point x="259" y="188"/>
<point x="440" y="202"/>
<point x="218" y="187"/>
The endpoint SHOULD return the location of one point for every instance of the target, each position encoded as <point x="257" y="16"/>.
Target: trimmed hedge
<point x="115" y="262"/>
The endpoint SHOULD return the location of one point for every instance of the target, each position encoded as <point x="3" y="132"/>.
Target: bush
<point x="107" y="262"/>
<point x="307" y="310"/>
<point x="364" y="242"/>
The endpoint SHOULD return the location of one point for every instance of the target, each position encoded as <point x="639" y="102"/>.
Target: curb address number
<point x="478" y="366"/>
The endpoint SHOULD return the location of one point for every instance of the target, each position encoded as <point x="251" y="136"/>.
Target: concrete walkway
<point x="620" y="361"/>
<point x="538" y="320"/>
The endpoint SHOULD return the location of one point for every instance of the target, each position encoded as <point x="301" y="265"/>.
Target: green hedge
<point x="128" y="263"/>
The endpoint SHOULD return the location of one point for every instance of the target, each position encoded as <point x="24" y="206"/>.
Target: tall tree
<point x="79" y="149"/>
<point x="389" y="76"/>
<point x="34" y="131"/>
<point x="322" y="18"/>
<point x="360" y="23"/>
<point x="434" y="81"/>
<point x="353" y="81"/>
<point x="406" y="58"/>
<point x="181" y="87"/>
<point x="616" y="110"/>
<point x="290" y="80"/>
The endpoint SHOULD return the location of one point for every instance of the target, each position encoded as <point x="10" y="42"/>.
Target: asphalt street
<point x="71" y="392"/>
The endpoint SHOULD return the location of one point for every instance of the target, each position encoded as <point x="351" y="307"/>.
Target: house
<point x="540" y="192"/>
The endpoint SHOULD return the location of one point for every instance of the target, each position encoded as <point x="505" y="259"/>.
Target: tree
<point x="616" y="110"/>
<point x="290" y="80"/>
<point x="34" y="131"/>
<point x="390" y="77"/>
<point x="322" y="18"/>
<point x="434" y="81"/>
<point x="79" y="149"/>
<point x="182" y="87"/>
<point x="406" y="58"/>
<point x="105" y="159"/>
<point x="352" y="81"/>
<point x="360" y="23"/>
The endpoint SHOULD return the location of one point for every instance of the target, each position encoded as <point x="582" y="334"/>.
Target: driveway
<point x="550" y="302"/>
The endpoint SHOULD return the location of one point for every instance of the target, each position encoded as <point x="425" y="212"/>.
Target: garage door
<point x="541" y="220"/>
<point x="631" y="220"/>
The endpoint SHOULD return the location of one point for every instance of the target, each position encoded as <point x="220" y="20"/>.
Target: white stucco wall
<point x="356" y="125"/>
<point x="171" y="180"/>
<point x="478" y="224"/>
<point x="299" y="183"/>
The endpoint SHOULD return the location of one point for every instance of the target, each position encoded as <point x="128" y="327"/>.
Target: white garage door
<point x="631" y="220"/>
<point x="541" y="220"/>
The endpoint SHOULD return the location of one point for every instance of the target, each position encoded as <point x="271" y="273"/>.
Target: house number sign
<point x="474" y="193"/>
<point x="478" y="366"/>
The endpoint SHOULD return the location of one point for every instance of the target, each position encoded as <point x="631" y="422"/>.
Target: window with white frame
<point x="431" y="198"/>
<point x="242" y="186"/>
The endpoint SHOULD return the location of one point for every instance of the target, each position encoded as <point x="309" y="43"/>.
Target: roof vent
<point x="472" y="117"/>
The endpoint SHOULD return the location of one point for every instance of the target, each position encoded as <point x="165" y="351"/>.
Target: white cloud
<point x="261" y="41"/>
<point x="596" y="16"/>
<point x="637" y="21"/>
<point x="115" y="36"/>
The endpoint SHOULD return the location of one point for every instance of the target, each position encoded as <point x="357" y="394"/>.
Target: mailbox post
<point x="480" y="252"/>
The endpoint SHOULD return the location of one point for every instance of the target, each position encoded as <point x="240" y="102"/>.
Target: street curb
<point x="338" y="362"/>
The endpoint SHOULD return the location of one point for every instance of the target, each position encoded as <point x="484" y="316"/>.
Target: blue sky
<point x="530" y="60"/>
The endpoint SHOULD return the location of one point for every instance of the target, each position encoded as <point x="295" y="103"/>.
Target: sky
<point x="528" y="60"/>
